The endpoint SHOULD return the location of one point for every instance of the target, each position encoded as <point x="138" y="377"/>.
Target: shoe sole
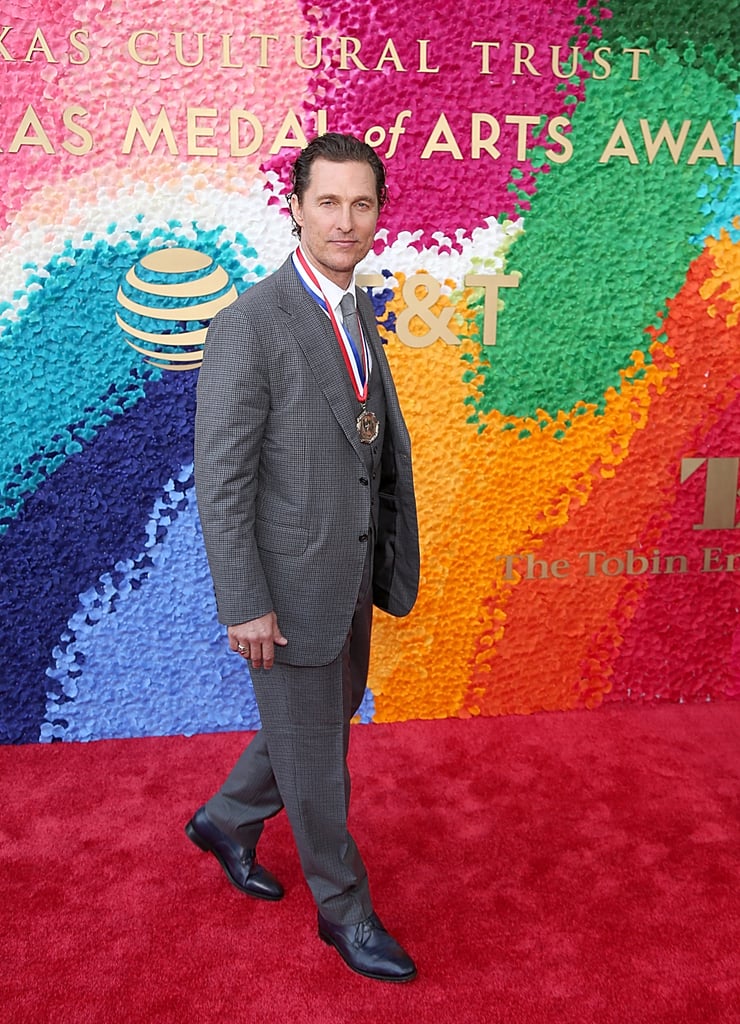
<point x="205" y="846"/>
<point x="366" y="974"/>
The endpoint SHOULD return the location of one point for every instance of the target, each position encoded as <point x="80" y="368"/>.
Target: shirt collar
<point x="332" y="292"/>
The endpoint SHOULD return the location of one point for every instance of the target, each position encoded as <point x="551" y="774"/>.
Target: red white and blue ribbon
<point x="356" y="361"/>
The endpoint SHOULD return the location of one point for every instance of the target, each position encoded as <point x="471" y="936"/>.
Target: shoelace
<point x="364" y="930"/>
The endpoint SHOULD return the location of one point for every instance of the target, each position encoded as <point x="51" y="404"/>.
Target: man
<point x="305" y="493"/>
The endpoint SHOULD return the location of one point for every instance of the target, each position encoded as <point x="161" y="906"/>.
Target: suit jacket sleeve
<point x="232" y="407"/>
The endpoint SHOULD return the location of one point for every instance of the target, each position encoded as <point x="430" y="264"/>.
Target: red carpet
<point x="579" y="868"/>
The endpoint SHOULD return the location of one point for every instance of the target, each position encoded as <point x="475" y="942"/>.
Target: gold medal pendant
<point x="368" y="426"/>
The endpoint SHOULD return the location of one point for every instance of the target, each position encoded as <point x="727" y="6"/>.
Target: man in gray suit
<point x="306" y="498"/>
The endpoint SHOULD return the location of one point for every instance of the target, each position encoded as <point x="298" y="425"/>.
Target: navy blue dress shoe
<point x="240" y="865"/>
<point x="368" y="949"/>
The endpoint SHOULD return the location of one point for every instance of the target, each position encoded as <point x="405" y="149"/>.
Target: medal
<point x="368" y="426"/>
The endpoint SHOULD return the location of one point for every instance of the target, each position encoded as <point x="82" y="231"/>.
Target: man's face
<point x="337" y="217"/>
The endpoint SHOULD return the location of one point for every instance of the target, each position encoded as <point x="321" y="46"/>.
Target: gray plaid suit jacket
<point x="281" y="482"/>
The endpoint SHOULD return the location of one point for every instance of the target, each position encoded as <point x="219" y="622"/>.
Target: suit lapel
<point x="312" y="330"/>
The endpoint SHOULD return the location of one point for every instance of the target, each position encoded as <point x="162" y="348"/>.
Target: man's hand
<point x="256" y="639"/>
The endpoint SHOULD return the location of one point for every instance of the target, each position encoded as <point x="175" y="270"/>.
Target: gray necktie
<point x="349" y="318"/>
<point x="350" y="321"/>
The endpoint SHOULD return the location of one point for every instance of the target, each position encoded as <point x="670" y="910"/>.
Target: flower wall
<point x="557" y="279"/>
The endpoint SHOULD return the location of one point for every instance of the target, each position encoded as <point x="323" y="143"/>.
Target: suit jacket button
<point x="363" y="537"/>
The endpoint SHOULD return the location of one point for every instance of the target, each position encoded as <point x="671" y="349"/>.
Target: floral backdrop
<point x="557" y="279"/>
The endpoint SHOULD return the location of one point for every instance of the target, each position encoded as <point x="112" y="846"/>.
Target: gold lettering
<point x="136" y="127"/>
<point x="603" y="64"/>
<point x="375" y="136"/>
<point x="419" y="308"/>
<point x="488" y="145"/>
<point x="298" y="42"/>
<point x="709" y="564"/>
<point x="264" y="61"/>
<point x="284" y="140"/>
<point x="720" y="490"/>
<point x="390" y="54"/>
<point x="5" y="54"/>
<point x="180" y="56"/>
<point x="86" y="143"/>
<point x="133" y="42"/>
<point x="395" y="132"/>
<point x="435" y="143"/>
<point x="423" y="55"/>
<point x="709" y="138"/>
<point x="553" y="132"/>
<point x="620" y="134"/>
<point x="226" y="61"/>
<point x="485" y="54"/>
<point x="522" y="120"/>
<point x="22" y="137"/>
<point x="636" y="54"/>
<point x="197" y="131"/>
<point x="40" y="45"/>
<point x="510" y="572"/>
<point x="78" y="38"/>
<point x="236" y="116"/>
<point x="490" y="283"/>
<point x="555" y="62"/>
<point x="536" y="568"/>
<point x="591" y="560"/>
<point x="664" y="135"/>
<point x="560" y="568"/>
<point x="523" y="53"/>
<point x="349" y="52"/>
<point x="635" y="564"/>
<point x="370" y="280"/>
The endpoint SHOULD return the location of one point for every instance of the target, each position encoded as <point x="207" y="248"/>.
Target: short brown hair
<point x="338" y="149"/>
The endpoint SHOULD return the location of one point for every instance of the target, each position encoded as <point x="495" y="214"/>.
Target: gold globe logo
<point x="171" y="295"/>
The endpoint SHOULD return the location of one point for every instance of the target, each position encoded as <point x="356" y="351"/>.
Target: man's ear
<point x="295" y="209"/>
